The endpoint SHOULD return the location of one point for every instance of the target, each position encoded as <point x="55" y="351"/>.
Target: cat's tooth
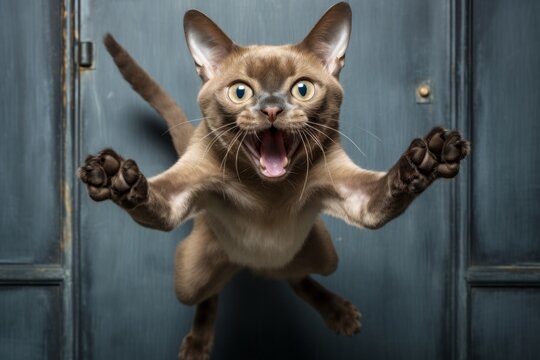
<point x="286" y="162"/>
<point x="261" y="165"/>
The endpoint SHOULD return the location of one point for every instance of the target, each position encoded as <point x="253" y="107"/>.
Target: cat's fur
<point x="244" y="217"/>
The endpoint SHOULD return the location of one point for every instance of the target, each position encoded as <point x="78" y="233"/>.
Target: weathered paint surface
<point x="505" y="323"/>
<point x="402" y="277"/>
<point x="504" y="263"/>
<point x="30" y="110"/>
<point x="30" y="328"/>
<point x="506" y="113"/>
<point x="36" y="314"/>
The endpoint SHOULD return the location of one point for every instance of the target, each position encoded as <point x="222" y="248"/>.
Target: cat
<point x="261" y="167"/>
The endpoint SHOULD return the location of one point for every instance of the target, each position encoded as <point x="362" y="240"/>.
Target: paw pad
<point x="108" y="176"/>
<point x="436" y="155"/>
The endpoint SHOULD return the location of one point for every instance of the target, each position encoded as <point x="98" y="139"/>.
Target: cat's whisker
<point x="341" y="133"/>
<point x="310" y="148"/>
<point x="307" y="164"/>
<point x="314" y="138"/>
<point x="319" y="144"/>
<point x="218" y="128"/>
<point x="215" y="140"/>
<point x="321" y="132"/>
<point x="298" y="133"/>
<point x="310" y="127"/>
<point x="312" y="135"/>
<point x="186" y="122"/>
<point x="217" y="136"/>
<point x="254" y="132"/>
<point x="224" y="161"/>
<point x="370" y="133"/>
<point x="236" y="157"/>
<point x="355" y="127"/>
<point x="227" y="128"/>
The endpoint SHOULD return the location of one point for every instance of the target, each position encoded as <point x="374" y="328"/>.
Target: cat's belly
<point x="258" y="243"/>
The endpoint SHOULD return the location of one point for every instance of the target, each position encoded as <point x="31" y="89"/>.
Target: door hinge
<point x="86" y="54"/>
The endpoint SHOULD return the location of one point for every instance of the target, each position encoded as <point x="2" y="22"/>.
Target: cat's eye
<point x="303" y="90"/>
<point x="239" y="93"/>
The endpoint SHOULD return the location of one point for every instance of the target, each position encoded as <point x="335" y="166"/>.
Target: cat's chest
<point x="268" y="237"/>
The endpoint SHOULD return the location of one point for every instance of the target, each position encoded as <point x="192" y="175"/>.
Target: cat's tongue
<point x="273" y="155"/>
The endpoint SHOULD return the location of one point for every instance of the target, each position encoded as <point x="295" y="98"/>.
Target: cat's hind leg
<point x="319" y="256"/>
<point x="201" y="270"/>
<point x="338" y="313"/>
<point x="198" y="343"/>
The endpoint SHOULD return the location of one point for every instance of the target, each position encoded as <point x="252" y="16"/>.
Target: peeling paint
<point x="528" y="267"/>
<point x="65" y="62"/>
<point x="68" y="216"/>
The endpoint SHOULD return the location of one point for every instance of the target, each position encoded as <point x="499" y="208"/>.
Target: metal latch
<point x="86" y="54"/>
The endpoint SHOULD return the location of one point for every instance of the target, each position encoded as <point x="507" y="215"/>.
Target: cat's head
<point x="271" y="107"/>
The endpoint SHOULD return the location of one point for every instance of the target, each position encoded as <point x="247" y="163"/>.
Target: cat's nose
<point x="272" y="112"/>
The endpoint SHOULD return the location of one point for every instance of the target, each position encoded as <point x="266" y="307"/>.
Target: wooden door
<point x="455" y="277"/>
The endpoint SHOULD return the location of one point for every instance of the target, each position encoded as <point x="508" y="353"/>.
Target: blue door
<point x="36" y="181"/>
<point x="455" y="277"/>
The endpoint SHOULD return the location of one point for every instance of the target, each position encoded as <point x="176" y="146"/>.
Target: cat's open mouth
<point x="272" y="149"/>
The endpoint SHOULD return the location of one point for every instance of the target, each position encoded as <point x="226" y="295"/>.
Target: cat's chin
<point x="271" y="151"/>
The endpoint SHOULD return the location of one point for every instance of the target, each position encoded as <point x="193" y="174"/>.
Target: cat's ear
<point x="330" y="36"/>
<point x="207" y="43"/>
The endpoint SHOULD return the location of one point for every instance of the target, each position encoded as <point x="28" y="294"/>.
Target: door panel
<point x="30" y="328"/>
<point x="398" y="276"/>
<point x="506" y="84"/>
<point x="505" y="323"/>
<point x="30" y="109"/>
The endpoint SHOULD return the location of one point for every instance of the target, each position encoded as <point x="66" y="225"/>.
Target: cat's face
<point x="275" y="103"/>
<point x="273" y="108"/>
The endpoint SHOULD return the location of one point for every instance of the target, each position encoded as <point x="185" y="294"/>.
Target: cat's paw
<point x="436" y="155"/>
<point x="195" y="348"/>
<point x="342" y="316"/>
<point x="108" y="176"/>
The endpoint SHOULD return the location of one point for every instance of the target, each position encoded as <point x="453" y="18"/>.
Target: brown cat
<point x="259" y="169"/>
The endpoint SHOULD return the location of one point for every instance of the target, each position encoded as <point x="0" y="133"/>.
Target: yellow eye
<point x="303" y="90"/>
<point x="239" y="93"/>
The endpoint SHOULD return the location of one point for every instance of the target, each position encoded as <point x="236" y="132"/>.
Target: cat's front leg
<point x="371" y="199"/>
<point x="108" y="176"/>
